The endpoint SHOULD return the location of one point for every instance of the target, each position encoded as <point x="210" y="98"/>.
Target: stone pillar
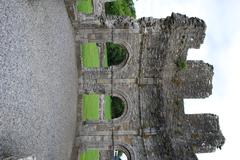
<point x="102" y="49"/>
<point x="101" y="107"/>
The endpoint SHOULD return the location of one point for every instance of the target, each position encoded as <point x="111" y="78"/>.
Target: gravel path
<point x="38" y="79"/>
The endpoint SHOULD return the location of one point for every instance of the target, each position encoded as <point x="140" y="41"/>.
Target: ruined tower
<point x="152" y="82"/>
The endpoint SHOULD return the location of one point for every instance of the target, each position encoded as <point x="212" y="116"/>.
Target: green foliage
<point x="181" y="63"/>
<point x="117" y="107"/>
<point x="121" y="8"/>
<point x="115" y="53"/>
<point x="113" y="107"/>
<point x="85" y="6"/>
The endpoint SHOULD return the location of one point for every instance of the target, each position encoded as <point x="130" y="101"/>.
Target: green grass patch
<point x="107" y="108"/>
<point x="90" y="155"/>
<point x="85" y="6"/>
<point x="90" y="107"/>
<point x="90" y="55"/>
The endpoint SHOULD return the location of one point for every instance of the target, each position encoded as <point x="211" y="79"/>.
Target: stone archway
<point x="107" y="151"/>
<point x="127" y="106"/>
<point x="102" y="55"/>
<point x="123" y="37"/>
<point x="121" y="151"/>
<point x="126" y="149"/>
<point x="129" y="54"/>
<point x="117" y="55"/>
<point x="126" y="113"/>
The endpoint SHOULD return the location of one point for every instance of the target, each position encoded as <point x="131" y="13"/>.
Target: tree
<point x="116" y="53"/>
<point x="121" y="8"/>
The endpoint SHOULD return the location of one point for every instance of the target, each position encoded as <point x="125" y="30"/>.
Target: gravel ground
<point x="38" y="79"/>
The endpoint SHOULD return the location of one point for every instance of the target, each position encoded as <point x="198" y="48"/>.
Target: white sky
<point x="221" y="49"/>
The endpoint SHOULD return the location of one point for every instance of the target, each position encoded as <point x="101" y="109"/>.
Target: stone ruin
<point x="151" y="84"/>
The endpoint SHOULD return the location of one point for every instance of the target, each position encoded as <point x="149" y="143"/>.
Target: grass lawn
<point x="107" y="108"/>
<point x="90" y="155"/>
<point x="90" y="55"/>
<point x="90" y="107"/>
<point x="91" y="102"/>
<point x="85" y="6"/>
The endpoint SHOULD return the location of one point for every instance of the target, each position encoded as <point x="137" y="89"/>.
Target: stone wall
<point x="152" y="86"/>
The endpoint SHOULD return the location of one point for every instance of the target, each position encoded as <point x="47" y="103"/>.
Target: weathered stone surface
<point x="152" y="81"/>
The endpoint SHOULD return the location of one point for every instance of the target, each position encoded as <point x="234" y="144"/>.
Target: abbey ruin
<point x="152" y="85"/>
<point x="43" y="81"/>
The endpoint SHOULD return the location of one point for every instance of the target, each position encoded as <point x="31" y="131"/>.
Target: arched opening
<point x="100" y="107"/>
<point x="103" y="55"/>
<point x="117" y="107"/>
<point x="121" y="153"/>
<point x="114" y="108"/>
<point x="116" y="54"/>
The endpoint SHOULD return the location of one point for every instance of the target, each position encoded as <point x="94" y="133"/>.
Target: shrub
<point x="181" y="63"/>
<point x="115" y="53"/>
<point x="121" y="8"/>
<point x="117" y="107"/>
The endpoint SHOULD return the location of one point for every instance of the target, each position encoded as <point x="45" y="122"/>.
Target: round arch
<point x="126" y="112"/>
<point x="115" y="68"/>
<point x="113" y="36"/>
<point x="127" y="106"/>
<point x="126" y="149"/>
<point x="120" y="52"/>
<point x="129" y="54"/>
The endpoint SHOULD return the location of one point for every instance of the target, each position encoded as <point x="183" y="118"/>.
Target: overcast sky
<point x="221" y="49"/>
